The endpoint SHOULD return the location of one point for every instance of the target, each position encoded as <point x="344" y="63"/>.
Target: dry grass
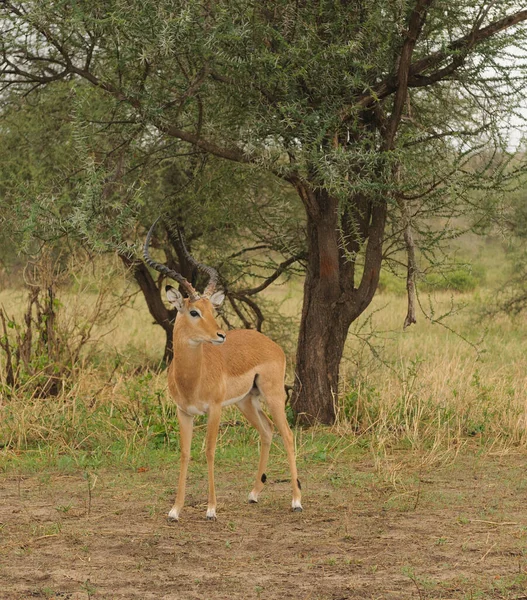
<point x="427" y="389"/>
<point x="466" y="364"/>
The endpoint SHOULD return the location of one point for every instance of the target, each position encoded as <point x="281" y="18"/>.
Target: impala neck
<point x="188" y="360"/>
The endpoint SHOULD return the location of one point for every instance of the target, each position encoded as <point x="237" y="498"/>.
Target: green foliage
<point x="77" y="181"/>
<point x="391" y="283"/>
<point x="459" y="278"/>
<point x="510" y="295"/>
<point x="150" y="413"/>
<point x="268" y="85"/>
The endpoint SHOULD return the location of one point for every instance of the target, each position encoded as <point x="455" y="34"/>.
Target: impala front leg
<point x="213" y="426"/>
<point x="186" y="423"/>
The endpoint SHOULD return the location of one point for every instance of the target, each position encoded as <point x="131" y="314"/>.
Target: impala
<point x="212" y="369"/>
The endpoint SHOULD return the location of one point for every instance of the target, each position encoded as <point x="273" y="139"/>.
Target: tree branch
<point x="267" y="282"/>
<point x="156" y="307"/>
<point x="411" y="269"/>
<point x="415" y="26"/>
<point x="258" y="314"/>
<point x="462" y="45"/>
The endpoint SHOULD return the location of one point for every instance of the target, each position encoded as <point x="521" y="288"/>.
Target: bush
<point x="390" y="283"/>
<point x="462" y="278"/>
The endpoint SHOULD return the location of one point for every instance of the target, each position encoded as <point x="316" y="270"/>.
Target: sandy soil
<point x="458" y="532"/>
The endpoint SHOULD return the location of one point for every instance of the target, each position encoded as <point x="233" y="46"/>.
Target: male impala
<point x="212" y="369"/>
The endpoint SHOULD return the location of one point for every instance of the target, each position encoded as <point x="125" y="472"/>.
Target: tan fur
<point x="204" y="377"/>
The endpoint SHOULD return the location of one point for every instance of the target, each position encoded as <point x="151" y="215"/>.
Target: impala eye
<point x="194" y="313"/>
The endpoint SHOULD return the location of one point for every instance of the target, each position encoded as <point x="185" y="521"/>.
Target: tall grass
<point x="430" y="390"/>
<point x="433" y="389"/>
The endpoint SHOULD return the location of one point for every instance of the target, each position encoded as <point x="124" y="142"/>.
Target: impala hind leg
<point x="250" y="407"/>
<point x="275" y="398"/>
<point x="186" y="423"/>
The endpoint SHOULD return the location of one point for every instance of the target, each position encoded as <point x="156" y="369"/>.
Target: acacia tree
<point x="70" y="181"/>
<point x="339" y="99"/>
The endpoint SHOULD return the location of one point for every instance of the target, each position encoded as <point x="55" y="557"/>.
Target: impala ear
<point x="217" y="298"/>
<point x="175" y="298"/>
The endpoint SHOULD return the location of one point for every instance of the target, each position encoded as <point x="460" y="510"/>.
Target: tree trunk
<point x="331" y="302"/>
<point x="162" y="315"/>
<point x="320" y="347"/>
<point x="152" y="292"/>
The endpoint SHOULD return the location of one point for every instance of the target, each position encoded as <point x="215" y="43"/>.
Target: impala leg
<point x="213" y="426"/>
<point x="186" y="423"/>
<point x="276" y="403"/>
<point x="256" y="417"/>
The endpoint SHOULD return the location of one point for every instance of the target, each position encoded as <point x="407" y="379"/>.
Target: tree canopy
<point x="379" y="115"/>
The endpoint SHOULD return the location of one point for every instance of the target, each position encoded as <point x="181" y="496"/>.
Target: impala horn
<point x="192" y="293"/>
<point x="210" y="271"/>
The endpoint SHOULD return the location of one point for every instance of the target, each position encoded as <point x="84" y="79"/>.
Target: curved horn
<point x="193" y="295"/>
<point x="210" y="271"/>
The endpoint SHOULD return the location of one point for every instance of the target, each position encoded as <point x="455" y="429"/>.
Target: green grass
<point x="98" y="439"/>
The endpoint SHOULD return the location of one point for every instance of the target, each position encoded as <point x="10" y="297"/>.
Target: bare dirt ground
<point x="457" y="532"/>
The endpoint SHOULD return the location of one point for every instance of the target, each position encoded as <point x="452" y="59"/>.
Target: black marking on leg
<point x="264" y="477"/>
<point x="298" y="483"/>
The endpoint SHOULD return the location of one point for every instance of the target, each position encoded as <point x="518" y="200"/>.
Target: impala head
<point x="198" y="317"/>
<point x="197" y="311"/>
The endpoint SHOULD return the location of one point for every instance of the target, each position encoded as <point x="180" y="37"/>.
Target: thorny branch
<point x="267" y="282"/>
<point x="418" y="73"/>
<point x="458" y="48"/>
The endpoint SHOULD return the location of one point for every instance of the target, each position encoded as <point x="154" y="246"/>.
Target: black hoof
<point x="172" y="519"/>
<point x="210" y="518"/>
<point x="297" y="509"/>
<point x="251" y="501"/>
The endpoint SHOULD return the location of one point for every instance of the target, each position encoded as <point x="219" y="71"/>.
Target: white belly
<point x="203" y="407"/>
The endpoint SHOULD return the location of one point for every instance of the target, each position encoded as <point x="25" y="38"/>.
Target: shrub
<point x="461" y="278"/>
<point x="390" y="283"/>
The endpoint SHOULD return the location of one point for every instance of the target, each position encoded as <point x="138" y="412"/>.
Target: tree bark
<point x="331" y="301"/>
<point x="162" y="315"/>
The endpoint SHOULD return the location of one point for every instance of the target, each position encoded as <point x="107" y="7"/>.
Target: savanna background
<point x="413" y="469"/>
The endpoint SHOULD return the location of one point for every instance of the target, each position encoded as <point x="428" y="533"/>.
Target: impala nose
<point x="221" y="337"/>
